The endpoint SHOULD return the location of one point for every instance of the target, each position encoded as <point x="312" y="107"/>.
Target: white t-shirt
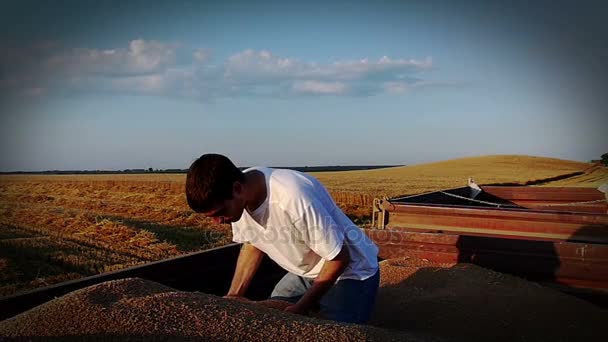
<point x="299" y="227"/>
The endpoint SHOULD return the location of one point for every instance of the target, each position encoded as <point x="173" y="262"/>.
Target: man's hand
<point x="247" y="265"/>
<point x="239" y="298"/>
<point x="331" y="270"/>
<point x="296" y="309"/>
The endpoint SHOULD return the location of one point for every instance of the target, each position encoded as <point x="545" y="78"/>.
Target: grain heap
<point x="466" y="302"/>
<point x="138" y="310"/>
<point x="426" y="301"/>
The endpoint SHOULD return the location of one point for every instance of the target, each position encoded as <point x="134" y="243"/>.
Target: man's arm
<point x="247" y="265"/>
<point x="330" y="272"/>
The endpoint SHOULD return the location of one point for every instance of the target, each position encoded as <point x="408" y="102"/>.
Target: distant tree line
<point x="152" y="170"/>
<point x="96" y="172"/>
<point x="603" y="160"/>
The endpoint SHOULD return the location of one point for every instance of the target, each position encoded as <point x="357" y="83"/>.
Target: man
<point x="291" y="217"/>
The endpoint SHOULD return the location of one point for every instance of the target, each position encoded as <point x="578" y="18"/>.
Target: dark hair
<point x="210" y="180"/>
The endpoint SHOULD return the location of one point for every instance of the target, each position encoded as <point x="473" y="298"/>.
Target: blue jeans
<point x="349" y="300"/>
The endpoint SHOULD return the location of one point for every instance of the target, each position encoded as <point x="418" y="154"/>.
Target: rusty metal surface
<point x="566" y="194"/>
<point x="539" y="215"/>
<point x="545" y="205"/>
<point x="550" y="198"/>
<point x="520" y="229"/>
<point x="570" y="264"/>
<point x="513" y="223"/>
<point x="566" y="251"/>
<point x="524" y="197"/>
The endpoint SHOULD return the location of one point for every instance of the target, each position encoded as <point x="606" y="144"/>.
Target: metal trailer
<point x="564" y="246"/>
<point x="555" y="236"/>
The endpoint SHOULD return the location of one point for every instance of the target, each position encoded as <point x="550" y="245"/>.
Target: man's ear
<point x="237" y="188"/>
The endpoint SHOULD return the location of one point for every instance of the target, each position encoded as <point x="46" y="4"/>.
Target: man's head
<point x="215" y="187"/>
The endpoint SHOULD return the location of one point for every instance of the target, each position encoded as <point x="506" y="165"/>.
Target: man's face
<point x="230" y="210"/>
<point x="224" y="212"/>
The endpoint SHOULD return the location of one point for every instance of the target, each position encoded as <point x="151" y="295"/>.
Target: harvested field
<point x="592" y="177"/>
<point x="360" y="187"/>
<point x="465" y="302"/>
<point x="54" y="229"/>
<point x="118" y="221"/>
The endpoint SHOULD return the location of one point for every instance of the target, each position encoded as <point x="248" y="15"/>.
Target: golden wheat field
<point x="59" y="227"/>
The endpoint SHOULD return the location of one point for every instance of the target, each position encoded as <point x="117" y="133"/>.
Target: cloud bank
<point x="148" y="67"/>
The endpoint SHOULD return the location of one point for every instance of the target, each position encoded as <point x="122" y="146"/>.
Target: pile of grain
<point x="425" y="301"/>
<point x="466" y="302"/>
<point x="135" y="309"/>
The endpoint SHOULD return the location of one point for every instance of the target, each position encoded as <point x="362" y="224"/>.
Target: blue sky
<point x="156" y="84"/>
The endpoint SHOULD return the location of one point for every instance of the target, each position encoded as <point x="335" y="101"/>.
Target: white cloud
<point x="201" y="55"/>
<point x="320" y="88"/>
<point x="148" y="56"/>
<point x="142" y="57"/>
<point x="158" y="68"/>
<point x="396" y="87"/>
<point x="384" y="67"/>
<point x="142" y="84"/>
<point x="262" y="65"/>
